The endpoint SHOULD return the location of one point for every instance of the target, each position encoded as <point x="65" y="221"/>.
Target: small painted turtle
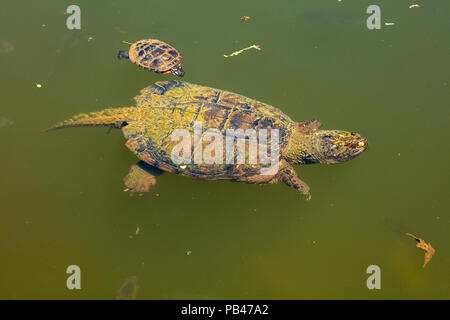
<point x="154" y="55"/>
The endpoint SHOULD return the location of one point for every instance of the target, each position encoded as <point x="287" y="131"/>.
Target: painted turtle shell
<point x="157" y="56"/>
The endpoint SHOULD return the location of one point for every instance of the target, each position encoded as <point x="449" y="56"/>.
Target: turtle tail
<point x="113" y="118"/>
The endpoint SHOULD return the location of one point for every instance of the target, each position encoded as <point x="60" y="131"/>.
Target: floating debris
<point x="5" y="122"/>
<point x="44" y="25"/>
<point x="90" y="39"/>
<point x="245" y="18"/>
<point x="424" y="246"/>
<point x="38" y="85"/>
<point x="128" y="290"/>
<point x="188" y="253"/>
<point x="414" y="6"/>
<point x="6" y="47"/>
<point x="257" y="47"/>
<point x="389" y="23"/>
<point x="137" y="231"/>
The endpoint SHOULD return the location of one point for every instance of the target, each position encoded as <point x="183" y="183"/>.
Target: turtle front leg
<point x="288" y="175"/>
<point x="141" y="178"/>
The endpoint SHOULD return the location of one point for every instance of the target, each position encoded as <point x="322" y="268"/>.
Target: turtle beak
<point x="359" y="146"/>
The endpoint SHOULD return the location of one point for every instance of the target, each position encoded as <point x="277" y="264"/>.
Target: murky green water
<point x="61" y="194"/>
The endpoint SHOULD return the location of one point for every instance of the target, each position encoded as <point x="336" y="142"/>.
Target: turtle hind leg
<point x="141" y="178"/>
<point x="123" y="55"/>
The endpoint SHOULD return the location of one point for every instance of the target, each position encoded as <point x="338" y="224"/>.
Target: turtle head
<point x="335" y="146"/>
<point x="308" y="144"/>
<point x="122" y="55"/>
<point x="178" y="70"/>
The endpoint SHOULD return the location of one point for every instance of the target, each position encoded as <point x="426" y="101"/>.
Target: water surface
<point x="61" y="194"/>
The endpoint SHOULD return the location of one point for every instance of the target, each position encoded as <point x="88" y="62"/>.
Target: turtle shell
<point x="154" y="55"/>
<point x="169" y="105"/>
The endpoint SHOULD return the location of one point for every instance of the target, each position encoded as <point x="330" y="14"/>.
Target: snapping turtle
<point x="154" y="55"/>
<point x="166" y="106"/>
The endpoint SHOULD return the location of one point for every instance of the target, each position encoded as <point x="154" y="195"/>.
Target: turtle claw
<point x="304" y="190"/>
<point x="132" y="192"/>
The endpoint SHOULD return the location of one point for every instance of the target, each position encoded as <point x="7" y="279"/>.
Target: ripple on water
<point x="6" y="47"/>
<point x="5" y="122"/>
<point x="128" y="291"/>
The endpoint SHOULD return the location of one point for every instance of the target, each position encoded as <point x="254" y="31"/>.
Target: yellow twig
<point x="257" y="47"/>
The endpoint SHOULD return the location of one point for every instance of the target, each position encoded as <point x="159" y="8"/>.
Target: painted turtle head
<point x="123" y="55"/>
<point x="178" y="70"/>
<point x="335" y="146"/>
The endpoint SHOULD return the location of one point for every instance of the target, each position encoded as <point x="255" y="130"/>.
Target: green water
<point x="61" y="194"/>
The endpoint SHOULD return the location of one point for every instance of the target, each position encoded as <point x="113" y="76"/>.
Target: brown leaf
<point x="424" y="246"/>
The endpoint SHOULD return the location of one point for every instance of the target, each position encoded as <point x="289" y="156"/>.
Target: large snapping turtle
<point x="164" y="107"/>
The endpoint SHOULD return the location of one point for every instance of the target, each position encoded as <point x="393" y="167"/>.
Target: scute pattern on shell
<point x="154" y="55"/>
<point x="170" y="105"/>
